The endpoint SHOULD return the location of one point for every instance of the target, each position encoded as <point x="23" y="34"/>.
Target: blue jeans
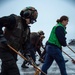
<point x="54" y="53"/>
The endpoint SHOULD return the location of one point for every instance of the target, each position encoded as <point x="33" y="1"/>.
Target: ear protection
<point x="27" y="13"/>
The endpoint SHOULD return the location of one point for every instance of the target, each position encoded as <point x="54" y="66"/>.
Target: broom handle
<point x="17" y="52"/>
<point x="25" y="58"/>
<point x="36" y="67"/>
<point x="71" y="49"/>
<point x="67" y="55"/>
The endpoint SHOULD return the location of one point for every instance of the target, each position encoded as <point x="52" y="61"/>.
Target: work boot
<point x="66" y="61"/>
<point x="24" y="66"/>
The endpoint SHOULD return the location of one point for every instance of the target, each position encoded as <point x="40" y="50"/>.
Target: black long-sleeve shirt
<point x="6" y="21"/>
<point x="61" y="35"/>
<point x="10" y="22"/>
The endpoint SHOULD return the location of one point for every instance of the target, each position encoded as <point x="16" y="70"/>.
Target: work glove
<point x="3" y="40"/>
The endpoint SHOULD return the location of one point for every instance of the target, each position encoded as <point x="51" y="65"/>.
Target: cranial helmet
<point x="29" y="12"/>
<point x="41" y="32"/>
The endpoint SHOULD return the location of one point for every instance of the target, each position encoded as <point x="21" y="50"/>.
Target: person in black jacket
<point x="17" y="35"/>
<point x="54" y="45"/>
<point x="36" y="39"/>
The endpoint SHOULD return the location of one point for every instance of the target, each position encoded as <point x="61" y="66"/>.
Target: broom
<point x="69" y="57"/>
<point x="26" y="60"/>
<point x="71" y="49"/>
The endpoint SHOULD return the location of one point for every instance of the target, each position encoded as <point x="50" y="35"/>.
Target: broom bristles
<point x="37" y="72"/>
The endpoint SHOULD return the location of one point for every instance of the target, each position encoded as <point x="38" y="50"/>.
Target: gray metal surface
<point x="54" y="69"/>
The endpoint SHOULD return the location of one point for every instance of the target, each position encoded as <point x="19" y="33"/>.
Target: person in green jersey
<point x="54" y="45"/>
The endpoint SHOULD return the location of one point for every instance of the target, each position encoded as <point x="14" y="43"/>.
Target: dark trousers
<point x="43" y="54"/>
<point x="54" y="53"/>
<point x="32" y="53"/>
<point x="9" y="66"/>
<point x="39" y="51"/>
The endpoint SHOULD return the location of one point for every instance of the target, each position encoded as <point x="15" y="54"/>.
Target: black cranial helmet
<point x="29" y="12"/>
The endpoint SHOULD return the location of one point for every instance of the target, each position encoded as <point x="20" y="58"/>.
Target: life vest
<point x="18" y="36"/>
<point x="53" y="38"/>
